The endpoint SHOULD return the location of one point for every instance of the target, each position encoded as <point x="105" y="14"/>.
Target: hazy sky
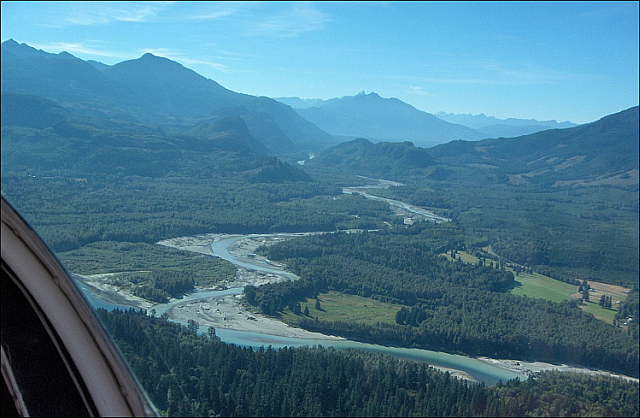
<point x="575" y="61"/>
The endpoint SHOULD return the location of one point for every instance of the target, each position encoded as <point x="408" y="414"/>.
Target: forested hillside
<point x="383" y="160"/>
<point x="71" y="145"/>
<point x="190" y="375"/>
<point x="155" y="90"/>
<point x="448" y="305"/>
<point x="601" y="153"/>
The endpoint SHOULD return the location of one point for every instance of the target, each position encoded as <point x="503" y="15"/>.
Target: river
<point x="474" y="369"/>
<point x="401" y="208"/>
<point x="470" y="368"/>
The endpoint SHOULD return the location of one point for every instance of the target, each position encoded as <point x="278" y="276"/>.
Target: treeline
<point x="165" y="285"/>
<point x="630" y="308"/>
<point x="567" y="232"/>
<point x="138" y="262"/>
<point x="72" y="212"/>
<point x="450" y="306"/>
<point x="190" y="375"/>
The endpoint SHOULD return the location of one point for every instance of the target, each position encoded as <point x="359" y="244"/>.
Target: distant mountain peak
<point x="20" y="49"/>
<point x="24" y="50"/>
<point x="150" y="62"/>
<point x="65" y="54"/>
<point x="372" y="95"/>
<point x="384" y="119"/>
<point x="493" y="127"/>
<point x="149" y="55"/>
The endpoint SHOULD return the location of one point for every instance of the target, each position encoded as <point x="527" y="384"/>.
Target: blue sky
<point x="575" y="61"/>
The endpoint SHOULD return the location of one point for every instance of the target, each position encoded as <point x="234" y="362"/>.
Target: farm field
<point x="336" y="306"/>
<point x="537" y="285"/>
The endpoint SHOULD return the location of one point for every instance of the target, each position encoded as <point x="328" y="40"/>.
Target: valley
<point x="267" y="282"/>
<point x="226" y="311"/>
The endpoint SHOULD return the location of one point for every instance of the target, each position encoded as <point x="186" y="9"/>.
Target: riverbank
<point x="227" y="311"/>
<point x="536" y="367"/>
<point x="101" y="286"/>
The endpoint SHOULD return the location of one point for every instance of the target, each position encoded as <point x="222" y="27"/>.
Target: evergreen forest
<point x="191" y="374"/>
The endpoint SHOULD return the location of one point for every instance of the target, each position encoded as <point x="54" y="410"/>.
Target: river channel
<point x="474" y="369"/>
<point x="485" y="371"/>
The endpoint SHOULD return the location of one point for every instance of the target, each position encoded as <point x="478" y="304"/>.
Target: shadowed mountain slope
<point x="41" y="138"/>
<point x="386" y="160"/>
<point x="601" y="152"/>
<point x="155" y="90"/>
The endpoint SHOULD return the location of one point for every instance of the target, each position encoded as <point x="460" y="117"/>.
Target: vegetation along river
<point x="486" y="370"/>
<point x="475" y="369"/>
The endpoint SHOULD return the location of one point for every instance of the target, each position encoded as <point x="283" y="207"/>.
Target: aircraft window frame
<point x="39" y="374"/>
<point x="110" y="384"/>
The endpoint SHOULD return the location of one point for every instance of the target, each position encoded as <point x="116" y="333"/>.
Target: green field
<point x="543" y="287"/>
<point x="336" y="306"/>
<point x="538" y="286"/>
<point x="599" y="312"/>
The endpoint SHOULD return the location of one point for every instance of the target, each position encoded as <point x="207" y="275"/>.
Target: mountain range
<point x="152" y="90"/>
<point x="156" y="90"/>
<point x="384" y="120"/>
<point x="41" y="137"/>
<point x="152" y="116"/>
<point x="412" y="124"/>
<point x="604" y="152"/>
<point x="493" y="127"/>
<point x="597" y="153"/>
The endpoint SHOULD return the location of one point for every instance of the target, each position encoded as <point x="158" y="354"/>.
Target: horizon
<point x="575" y="62"/>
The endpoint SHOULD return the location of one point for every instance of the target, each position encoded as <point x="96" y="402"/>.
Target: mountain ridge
<point x="42" y="138"/>
<point x="150" y="89"/>
<point x="585" y="154"/>
<point x="389" y="160"/>
<point x="384" y="120"/>
<point x="505" y="128"/>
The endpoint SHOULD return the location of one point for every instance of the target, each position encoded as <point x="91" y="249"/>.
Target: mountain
<point x="31" y="112"/>
<point x="604" y="152"/>
<point x="389" y="160"/>
<point x="380" y="119"/>
<point x="42" y="138"/>
<point x="164" y="87"/>
<point x="155" y="90"/>
<point x="493" y="127"/>
<point x="597" y="153"/>
<point x="62" y="78"/>
<point x="228" y="134"/>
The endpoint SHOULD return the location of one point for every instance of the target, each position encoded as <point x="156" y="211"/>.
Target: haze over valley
<point x="511" y="241"/>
